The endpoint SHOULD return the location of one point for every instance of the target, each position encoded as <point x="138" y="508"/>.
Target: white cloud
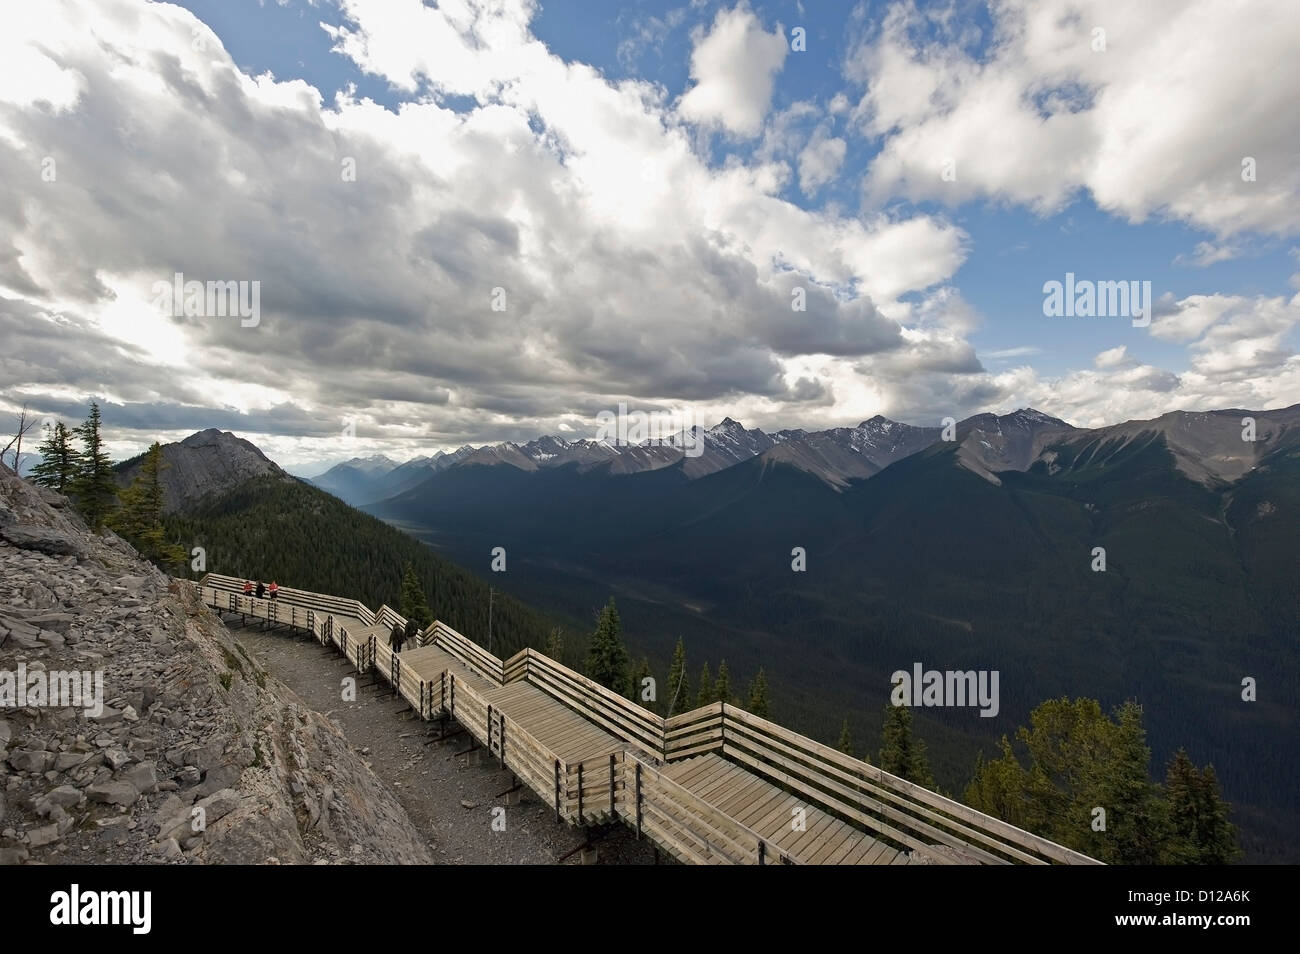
<point x="1157" y="124"/>
<point x="634" y="268"/>
<point x="734" y="66"/>
<point x="1022" y="351"/>
<point x="820" y="160"/>
<point x="1209" y="253"/>
<point x="1112" y="357"/>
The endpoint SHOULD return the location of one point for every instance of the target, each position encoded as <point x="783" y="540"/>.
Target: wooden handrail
<point x="900" y="811"/>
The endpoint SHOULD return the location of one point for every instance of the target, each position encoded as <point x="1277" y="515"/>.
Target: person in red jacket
<point x="248" y="587"/>
<point x="274" y="590"/>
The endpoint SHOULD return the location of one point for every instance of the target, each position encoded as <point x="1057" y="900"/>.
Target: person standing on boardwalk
<point x="261" y="590"/>
<point x="275" y="590"/>
<point x="396" y="638"/>
<point x="248" y="587"/>
<point x="412" y="632"/>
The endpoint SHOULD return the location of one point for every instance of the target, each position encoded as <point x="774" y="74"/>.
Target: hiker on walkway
<point x="261" y="590"/>
<point x="275" y="590"/>
<point x="248" y="587"/>
<point x="396" y="638"/>
<point x="412" y="632"/>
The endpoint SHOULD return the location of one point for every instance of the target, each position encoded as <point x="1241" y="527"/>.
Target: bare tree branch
<point x="24" y="425"/>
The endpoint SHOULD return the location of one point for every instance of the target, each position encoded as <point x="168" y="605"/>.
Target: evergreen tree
<point x="900" y="753"/>
<point x="140" y="518"/>
<point x="555" y="645"/>
<point x="678" y="690"/>
<point x="758" y="695"/>
<point x="94" y="486"/>
<point x="846" y="739"/>
<point x="607" y="659"/>
<point x="705" y="694"/>
<point x="1081" y="760"/>
<point x="998" y="787"/>
<point x="58" y="464"/>
<point x="722" y="688"/>
<point x="639" y="686"/>
<point x="1122" y="785"/>
<point x="415" y="606"/>
<point x="1199" y="830"/>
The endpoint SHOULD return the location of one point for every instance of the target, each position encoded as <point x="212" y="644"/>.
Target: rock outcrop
<point x="196" y="756"/>
<point x="207" y="462"/>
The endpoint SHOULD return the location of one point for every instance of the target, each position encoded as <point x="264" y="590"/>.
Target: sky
<point x="477" y="221"/>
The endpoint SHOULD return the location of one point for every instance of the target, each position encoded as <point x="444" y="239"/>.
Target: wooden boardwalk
<point x="717" y="785"/>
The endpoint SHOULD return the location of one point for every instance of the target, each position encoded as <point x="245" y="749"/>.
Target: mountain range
<point x="836" y="456"/>
<point x="975" y="552"/>
<point x="972" y="549"/>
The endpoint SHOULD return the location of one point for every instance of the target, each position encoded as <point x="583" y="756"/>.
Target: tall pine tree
<point x="1199" y="830"/>
<point x="901" y="753"/>
<point x="1121" y="784"/>
<point x="846" y="739"/>
<point x="607" y="659"/>
<point x="722" y="687"/>
<point x="678" y="690"/>
<point x="94" y="487"/>
<point x="758" y="695"/>
<point x="140" y="518"/>
<point x="415" y="605"/>
<point x="705" y="694"/>
<point x="1080" y="761"/>
<point x="645" y="693"/>
<point x="555" y="645"/>
<point x="58" y="464"/>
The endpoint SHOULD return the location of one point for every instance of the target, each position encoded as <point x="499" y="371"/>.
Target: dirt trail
<point x="432" y="784"/>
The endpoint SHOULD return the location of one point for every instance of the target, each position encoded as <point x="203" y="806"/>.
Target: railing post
<point x="611" y="785"/>
<point x="638" y="801"/>
<point x="579" y="792"/>
<point x="452" y="679"/>
<point x="557" y="789"/>
<point x="489" y="730"/>
<point x="442" y="688"/>
<point x="501" y="724"/>
<point x="395" y="672"/>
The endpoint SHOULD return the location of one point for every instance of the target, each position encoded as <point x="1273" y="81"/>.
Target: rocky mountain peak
<point x="207" y="462"/>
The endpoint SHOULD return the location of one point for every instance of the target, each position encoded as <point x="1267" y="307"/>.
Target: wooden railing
<point x="693" y="830"/>
<point x="618" y="716"/>
<point x="631" y="784"/>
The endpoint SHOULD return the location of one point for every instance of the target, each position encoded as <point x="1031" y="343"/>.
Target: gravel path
<point x="449" y="802"/>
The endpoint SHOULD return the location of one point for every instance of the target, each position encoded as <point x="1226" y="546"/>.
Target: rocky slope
<point x="189" y="722"/>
